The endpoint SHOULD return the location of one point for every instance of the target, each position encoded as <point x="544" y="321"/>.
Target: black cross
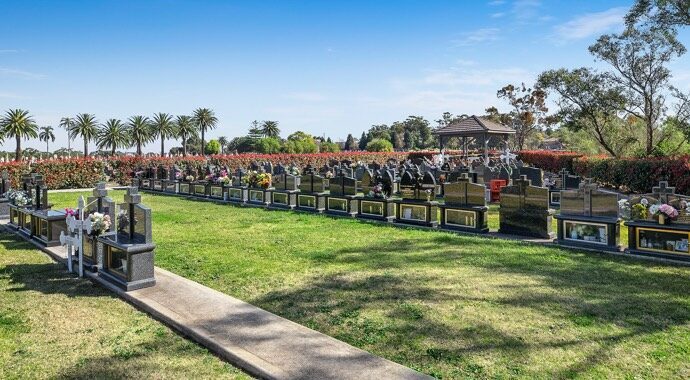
<point x="663" y="191"/>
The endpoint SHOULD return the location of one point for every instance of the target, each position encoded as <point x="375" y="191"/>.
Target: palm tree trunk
<point x="162" y="147"/>
<point x="203" y="145"/>
<point x="18" y="152"/>
<point x="138" y="148"/>
<point x="47" y="148"/>
<point x="86" y="147"/>
<point x="184" y="147"/>
<point x="112" y="152"/>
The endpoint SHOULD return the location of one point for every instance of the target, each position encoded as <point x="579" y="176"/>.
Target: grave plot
<point x="589" y="218"/>
<point x="659" y="224"/>
<point x="377" y="188"/>
<point x="525" y="210"/>
<point x="417" y="205"/>
<point x="464" y="206"/>
<point x="312" y="192"/>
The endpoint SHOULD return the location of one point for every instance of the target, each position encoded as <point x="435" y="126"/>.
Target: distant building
<point x="552" y="143"/>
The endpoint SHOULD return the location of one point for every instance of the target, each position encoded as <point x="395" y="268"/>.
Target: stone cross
<point x="663" y="191"/>
<point x="564" y="175"/>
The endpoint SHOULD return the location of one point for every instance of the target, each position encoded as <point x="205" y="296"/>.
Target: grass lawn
<point x="53" y="325"/>
<point x="449" y="305"/>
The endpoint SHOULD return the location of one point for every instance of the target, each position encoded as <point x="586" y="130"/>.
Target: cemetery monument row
<point x="525" y="210"/>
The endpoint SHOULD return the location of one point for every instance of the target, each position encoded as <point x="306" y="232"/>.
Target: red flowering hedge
<point x="124" y="167"/>
<point x="59" y="174"/>
<point x="637" y="175"/>
<point x="549" y="160"/>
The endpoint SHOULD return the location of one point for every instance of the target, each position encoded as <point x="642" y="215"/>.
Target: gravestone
<point x="417" y="205"/>
<point x="525" y="210"/>
<point x="129" y="253"/>
<point x="5" y="186"/>
<point x="312" y="195"/>
<point x="589" y="218"/>
<point x="286" y="188"/>
<point x="464" y="206"/>
<point x="342" y="196"/>
<point x="652" y="231"/>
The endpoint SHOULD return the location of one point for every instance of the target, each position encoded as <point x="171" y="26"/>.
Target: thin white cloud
<point x="9" y="95"/>
<point x="305" y="96"/>
<point x="465" y="62"/>
<point x="496" y="2"/>
<point x="525" y="10"/>
<point x="20" y="73"/>
<point x="478" y="36"/>
<point x="8" y="51"/>
<point x="591" y="24"/>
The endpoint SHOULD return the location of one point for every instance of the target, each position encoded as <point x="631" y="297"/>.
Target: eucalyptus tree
<point x="113" y="134"/>
<point x="140" y="131"/>
<point x="46" y="134"/>
<point x="164" y="128"/>
<point x="19" y="124"/>
<point x="205" y="120"/>
<point x="66" y="123"/>
<point x="185" y="129"/>
<point x="86" y="126"/>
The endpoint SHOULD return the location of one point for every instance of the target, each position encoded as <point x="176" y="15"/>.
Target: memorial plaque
<point x="525" y="209"/>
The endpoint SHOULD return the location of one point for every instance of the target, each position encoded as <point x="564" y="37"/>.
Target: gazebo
<point x="478" y="128"/>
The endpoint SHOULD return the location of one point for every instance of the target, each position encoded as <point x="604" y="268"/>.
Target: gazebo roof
<point x="473" y="126"/>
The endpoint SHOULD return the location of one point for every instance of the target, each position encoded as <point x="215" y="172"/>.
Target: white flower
<point x="653" y="209"/>
<point x="644" y="201"/>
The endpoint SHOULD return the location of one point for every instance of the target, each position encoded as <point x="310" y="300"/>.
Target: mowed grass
<point x="53" y="325"/>
<point x="452" y="306"/>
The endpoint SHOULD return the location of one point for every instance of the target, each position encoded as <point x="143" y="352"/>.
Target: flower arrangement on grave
<point x="70" y="212"/>
<point x="99" y="223"/>
<point x="639" y="210"/>
<point x="664" y="212"/>
<point x="178" y="175"/>
<point x="225" y="180"/>
<point x="189" y="178"/>
<point x="18" y="197"/>
<point x="377" y="192"/>
<point x="624" y="208"/>
<point x="294" y="170"/>
<point x="329" y="174"/>
<point x="256" y="179"/>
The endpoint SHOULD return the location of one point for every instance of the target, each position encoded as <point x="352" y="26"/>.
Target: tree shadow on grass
<point x="574" y="288"/>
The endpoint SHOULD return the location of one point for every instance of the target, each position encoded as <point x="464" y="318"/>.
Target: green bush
<point x="379" y="145"/>
<point x="268" y="145"/>
<point x="213" y="147"/>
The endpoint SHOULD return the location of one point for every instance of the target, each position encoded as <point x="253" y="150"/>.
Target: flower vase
<point x="662" y="220"/>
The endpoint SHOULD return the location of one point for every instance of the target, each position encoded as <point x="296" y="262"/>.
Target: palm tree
<point x="164" y="127"/>
<point x="205" y="120"/>
<point x="86" y="126"/>
<point x="139" y="130"/>
<point x="223" y="141"/>
<point x="185" y="129"/>
<point x="66" y="123"/>
<point x="113" y="134"/>
<point x="46" y="135"/>
<point x="19" y="124"/>
<point x="270" y="128"/>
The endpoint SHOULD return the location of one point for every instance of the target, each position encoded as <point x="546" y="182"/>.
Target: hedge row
<point x="636" y="175"/>
<point x="59" y="174"/>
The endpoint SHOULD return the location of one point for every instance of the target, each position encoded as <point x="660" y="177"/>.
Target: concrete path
<point x="261" y="343"/>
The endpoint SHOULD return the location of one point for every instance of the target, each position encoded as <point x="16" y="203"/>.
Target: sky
<point x="328" y="68"/>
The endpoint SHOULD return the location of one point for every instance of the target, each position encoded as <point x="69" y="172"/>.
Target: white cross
<point x="76" y="227"/>
<point x="507" y="157"/>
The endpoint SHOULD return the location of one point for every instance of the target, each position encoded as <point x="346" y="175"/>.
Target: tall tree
<point x="164" y="128"/>
<point x="185" y="129"/>
<point x="255" y="131"/>
<point x="529" y="112"/>
<point x="86" y="126"/>
<point x="639" y="58"/>
<point x="591" y="102"/>
<point x="223" y="141"/>
<point x="19" y="124"/>
<point x="66" y="123"/>
<point x="46" y="134"/>
<point x="363" y="140"/>
<point x="269" y="128"/>
<point x="661" y="13"/>
<point x="350" y="142"/>
<point x="205" y="120"/>
<point x="140" y="131"/>
<point x="113" y="134"/>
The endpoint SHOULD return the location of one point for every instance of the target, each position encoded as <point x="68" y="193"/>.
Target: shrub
<point x="268" y="145"/>
<point x="213" y="147"/>
<point x="549" y="160"/>
<point x="379" y="145"/>
<point x="60" y="173"/>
